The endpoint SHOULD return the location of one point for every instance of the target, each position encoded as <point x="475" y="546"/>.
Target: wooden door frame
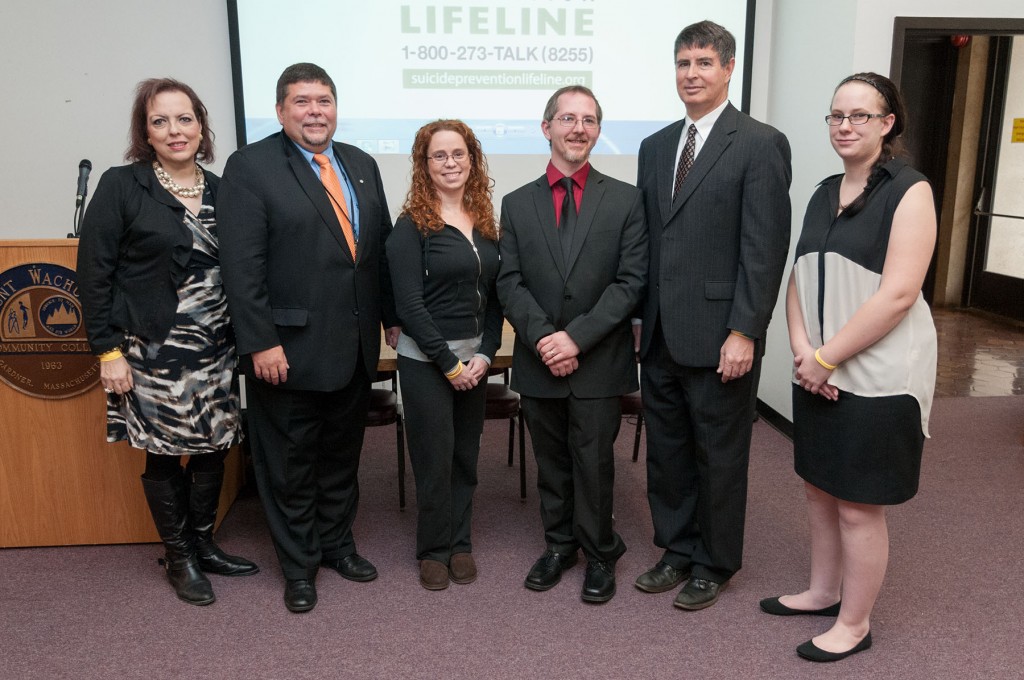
<point x="948" y="26"/>
<point x="945" y="26"/>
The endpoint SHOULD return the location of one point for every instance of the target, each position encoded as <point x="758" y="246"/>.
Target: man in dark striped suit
<point x="716" y="197"/>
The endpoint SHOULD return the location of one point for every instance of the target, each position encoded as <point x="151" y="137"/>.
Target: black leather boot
<point x="167" y="503"/>
<point x="204" y="494"/>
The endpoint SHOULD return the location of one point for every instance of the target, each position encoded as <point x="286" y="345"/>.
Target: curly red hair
<point x="422" y="203"/>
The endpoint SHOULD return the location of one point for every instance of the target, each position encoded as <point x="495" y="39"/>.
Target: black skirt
<point x="858" y="449"/>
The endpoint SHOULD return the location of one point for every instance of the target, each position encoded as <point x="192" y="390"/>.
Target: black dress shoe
<point x="661" y="577"/>
<point x="771" y="605"/>
<point x="809" y="651"/>
<point x="213" y="560"/>
<point x="698" y="593"/>
<point x="299" y="595"/>
<point x="547" y="571"/>
<point x="354" y="567"/>
<point x="599" y="585"/>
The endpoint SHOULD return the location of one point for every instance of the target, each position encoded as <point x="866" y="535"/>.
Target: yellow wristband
<point x="455" y="372"/>
<point x="824" y="364"/>
<point x="740" y="333"/>
<point x="112" y="355"/>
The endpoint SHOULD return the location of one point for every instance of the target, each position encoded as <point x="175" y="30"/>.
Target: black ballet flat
<point x="809" y="651"/>
<point x="771" y="605"/>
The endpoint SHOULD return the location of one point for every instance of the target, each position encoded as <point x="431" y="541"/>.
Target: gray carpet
<point x="950" y="607"/>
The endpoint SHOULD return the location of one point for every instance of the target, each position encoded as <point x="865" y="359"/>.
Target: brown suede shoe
<point x="433" y="575"/>
<point x="462" y="568"/>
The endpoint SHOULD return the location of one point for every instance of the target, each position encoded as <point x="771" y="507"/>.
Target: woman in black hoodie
<point x="443" y="257"/>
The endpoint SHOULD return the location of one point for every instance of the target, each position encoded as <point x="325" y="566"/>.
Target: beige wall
<point x="67" y="77"/>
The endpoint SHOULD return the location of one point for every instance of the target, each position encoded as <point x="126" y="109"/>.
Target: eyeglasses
<point x="569" y="121"/>
<point x="440" y="157"/>
<point x="835" y="119"/>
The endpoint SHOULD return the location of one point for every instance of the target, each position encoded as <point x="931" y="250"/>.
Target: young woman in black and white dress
<point x="864" y="349"/>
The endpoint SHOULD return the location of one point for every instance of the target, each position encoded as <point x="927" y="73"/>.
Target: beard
<point x="572" y="156"/>
<point x="316" y="139"/>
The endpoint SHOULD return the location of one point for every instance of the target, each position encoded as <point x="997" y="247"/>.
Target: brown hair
<point x="892" y="145"/>
<point x="705" y="34"/>
<point x="551" y="108"/>
<point x="139" y="149"/>
<point x="422" y="203"/>
<point x="303" y="72"/>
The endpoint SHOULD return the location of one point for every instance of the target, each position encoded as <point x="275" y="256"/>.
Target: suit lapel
<point x="717" y="142"/>
<point x="593" y="192"/>
<point x="544" y="206"/>
<point x="311" y="185"/>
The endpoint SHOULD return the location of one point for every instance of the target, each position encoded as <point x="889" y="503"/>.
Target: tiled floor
<point x="980" y="355"/>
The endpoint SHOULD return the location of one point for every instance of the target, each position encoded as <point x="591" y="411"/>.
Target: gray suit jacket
<point x="288" y="273"/>
<point x="719" y="250"/>
<point x="591" y="299"/>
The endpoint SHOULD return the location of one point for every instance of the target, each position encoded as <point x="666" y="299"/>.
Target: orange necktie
<point x="333" y="186"/>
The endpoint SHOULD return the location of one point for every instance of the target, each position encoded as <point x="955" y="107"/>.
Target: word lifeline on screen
<point x="479" y="20"/>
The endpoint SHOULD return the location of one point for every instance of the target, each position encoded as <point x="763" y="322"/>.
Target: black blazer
<point x="591" y="300"/>
<point x="718" y="252"/>
<point x="132" y="256"/>
<point x="288" y="273"/>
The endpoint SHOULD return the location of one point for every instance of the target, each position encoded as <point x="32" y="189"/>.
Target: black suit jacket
<point x="132" y="256"/>
<point x="591" y="299"/>
<point x="288" y="273"/>
<point x="719" y="250"/>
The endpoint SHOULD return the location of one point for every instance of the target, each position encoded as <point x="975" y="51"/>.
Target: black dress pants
<point x="698" y="448"/>
<point x="573" y="442"/>
<point x="443" y="427"/>
<point x="305" y="449"/>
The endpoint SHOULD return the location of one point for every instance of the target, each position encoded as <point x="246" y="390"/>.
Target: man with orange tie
<point x="302" y="222"/>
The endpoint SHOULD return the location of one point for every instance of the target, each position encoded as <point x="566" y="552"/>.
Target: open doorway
<point x="963" y="80"/>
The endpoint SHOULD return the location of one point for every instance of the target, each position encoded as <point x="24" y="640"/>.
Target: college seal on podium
<point x="43" y="346"/>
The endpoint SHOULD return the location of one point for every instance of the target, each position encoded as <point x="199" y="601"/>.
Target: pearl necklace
<point x="185" y="192"/>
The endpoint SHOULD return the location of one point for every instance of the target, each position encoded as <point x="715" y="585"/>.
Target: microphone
<point x="84" y="168"/>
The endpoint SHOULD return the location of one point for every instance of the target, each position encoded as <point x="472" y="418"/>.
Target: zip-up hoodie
<point x="444" y="289"/>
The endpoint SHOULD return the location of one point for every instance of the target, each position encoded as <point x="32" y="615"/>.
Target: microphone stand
<point x="76" y="219"/>
<point x="80" y="193"/>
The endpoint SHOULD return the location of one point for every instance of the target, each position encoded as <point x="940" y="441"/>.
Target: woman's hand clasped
<point x="116" y="376"/>
<point x="812" y="376"/>
<point x="472" y="373"/>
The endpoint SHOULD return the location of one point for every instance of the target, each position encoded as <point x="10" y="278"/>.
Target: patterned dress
<point x="185" y="399"/>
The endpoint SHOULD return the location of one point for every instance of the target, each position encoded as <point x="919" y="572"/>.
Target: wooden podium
<point x="61" y="483"/>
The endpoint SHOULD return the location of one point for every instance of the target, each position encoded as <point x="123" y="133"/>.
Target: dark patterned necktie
<point x="685" y="159"/>
<point x="567" y="221"/>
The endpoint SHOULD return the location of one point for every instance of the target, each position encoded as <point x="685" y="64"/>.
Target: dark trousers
<point x="443" y="427"/>
<point x="305" y="450"/>
<point x="573" y="442"/>
<point x="698" y="448"/>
